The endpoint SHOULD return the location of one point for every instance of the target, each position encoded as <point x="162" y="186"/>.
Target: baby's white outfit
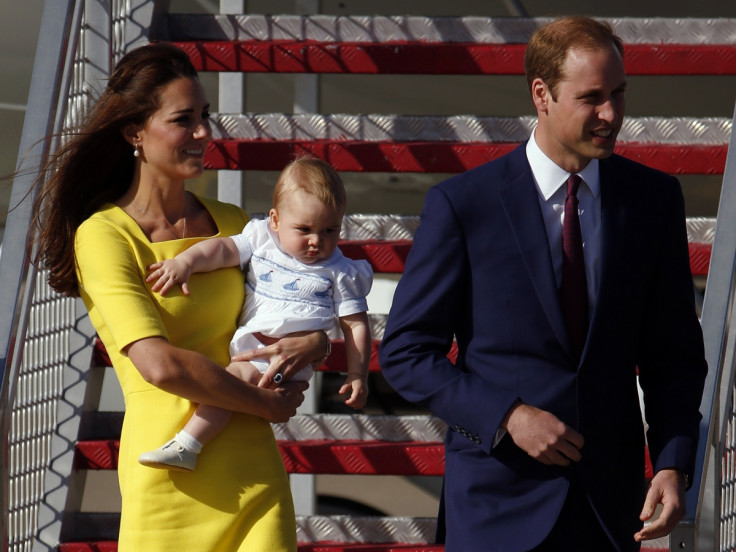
<point x="284" y="295"/>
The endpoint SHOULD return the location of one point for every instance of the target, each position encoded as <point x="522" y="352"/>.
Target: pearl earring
<point x="137" y="151"/>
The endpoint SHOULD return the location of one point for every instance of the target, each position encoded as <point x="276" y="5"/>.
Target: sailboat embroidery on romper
<point x="282" y="283"/>
<point x="292" y="286"/>
<point x="324" y="294"/>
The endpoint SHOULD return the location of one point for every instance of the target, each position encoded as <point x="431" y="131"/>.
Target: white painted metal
<point x="231" y="100"/>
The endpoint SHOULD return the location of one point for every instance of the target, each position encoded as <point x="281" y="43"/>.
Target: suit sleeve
<point x="432" y="305"/>
<point x="672" y="365"/>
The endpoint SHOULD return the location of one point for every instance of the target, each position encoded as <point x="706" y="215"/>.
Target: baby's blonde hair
<point x="313" y="176"/>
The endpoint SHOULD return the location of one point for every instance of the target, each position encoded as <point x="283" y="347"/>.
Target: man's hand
<point x="668" y="489"/>
<point x="543" y="436"/>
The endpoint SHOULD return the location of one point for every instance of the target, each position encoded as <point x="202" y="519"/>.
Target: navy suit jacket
<point x="480" y="271"/>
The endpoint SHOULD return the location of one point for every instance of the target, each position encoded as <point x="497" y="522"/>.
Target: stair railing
<point x="44" y="337"/>
<point x="710" y="522"/>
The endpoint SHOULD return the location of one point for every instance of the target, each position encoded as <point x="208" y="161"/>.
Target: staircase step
<point x="440" y="29"/>
<point x="336" y="362"/>
<point x="355" y="141"/>
<point x="435" y="58"/>
<point x="316" y="457"/>
<point x="441" y="157"/>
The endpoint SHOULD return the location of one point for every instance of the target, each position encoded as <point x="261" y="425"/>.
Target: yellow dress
<point x="238" y="497"/>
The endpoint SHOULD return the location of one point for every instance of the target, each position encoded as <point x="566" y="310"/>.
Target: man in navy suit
<point x="546" y="447"/>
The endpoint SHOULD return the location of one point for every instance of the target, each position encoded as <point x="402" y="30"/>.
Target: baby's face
<point x="307" y="229"/>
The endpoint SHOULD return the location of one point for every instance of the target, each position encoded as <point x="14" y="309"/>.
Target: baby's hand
<point x="168" y="274"/>
<point x="357" y="386"/>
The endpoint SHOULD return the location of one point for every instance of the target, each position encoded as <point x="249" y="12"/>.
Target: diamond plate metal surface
<point x="379" y="227"/>
<point x="403" y="227"/>
<point x="361" y="427"/>
<point x="485" y="30"/>
<point x="378" y="325"/>
<point x="701" y="230"/>
<point x="459" y="128"/>
<point x="372" y="227"/>
<point x="347" y="529"/>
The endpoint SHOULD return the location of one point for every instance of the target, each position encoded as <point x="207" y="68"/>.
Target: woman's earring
<point x="137" y="151"/>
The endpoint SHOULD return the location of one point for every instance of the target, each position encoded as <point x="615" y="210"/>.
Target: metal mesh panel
<point x="119" y="16"/>
<point x="34" y="419"/>
<point x="728" y="483"/>
<point x="40" y="382"/>
<point x="39" y="448"/>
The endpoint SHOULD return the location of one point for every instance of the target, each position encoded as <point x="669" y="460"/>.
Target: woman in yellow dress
<point x="114" y="202"/>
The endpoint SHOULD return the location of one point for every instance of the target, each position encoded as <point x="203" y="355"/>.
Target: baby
<point x="297" y="280"/>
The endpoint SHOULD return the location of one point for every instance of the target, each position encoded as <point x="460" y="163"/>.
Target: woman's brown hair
<point x="95" y="165"/>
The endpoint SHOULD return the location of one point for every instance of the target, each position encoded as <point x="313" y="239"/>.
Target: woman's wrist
<point x="327" y="348"/>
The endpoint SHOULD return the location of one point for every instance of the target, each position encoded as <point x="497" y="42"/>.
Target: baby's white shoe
<point x="171" y="456"/>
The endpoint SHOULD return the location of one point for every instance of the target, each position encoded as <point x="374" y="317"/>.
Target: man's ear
<point x="273" y="220"/>
<point x="541" y="95"/>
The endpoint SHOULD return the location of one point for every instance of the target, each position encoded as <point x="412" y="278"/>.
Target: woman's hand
<point x="285" y="400"/>
<point x="287" y="355"/>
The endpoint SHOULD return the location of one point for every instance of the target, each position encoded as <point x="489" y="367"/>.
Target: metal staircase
<point x="53" y="368"/>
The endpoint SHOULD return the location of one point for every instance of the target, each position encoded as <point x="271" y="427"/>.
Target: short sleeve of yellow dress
<point x="238" y="497"/>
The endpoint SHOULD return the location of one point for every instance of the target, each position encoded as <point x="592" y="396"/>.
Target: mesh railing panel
<point x="36" y="442"/>
<point x="34" y="419"/>
<point x="728" y="482"/>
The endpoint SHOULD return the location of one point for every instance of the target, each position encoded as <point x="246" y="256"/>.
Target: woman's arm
<point x="193" y="376"/>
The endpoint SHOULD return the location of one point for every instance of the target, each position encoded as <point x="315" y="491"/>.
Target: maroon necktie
<point x="574" y="288"/>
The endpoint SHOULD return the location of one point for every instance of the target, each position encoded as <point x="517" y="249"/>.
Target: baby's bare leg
<point x="208" y="421"/>
<point x="245" y="371"/>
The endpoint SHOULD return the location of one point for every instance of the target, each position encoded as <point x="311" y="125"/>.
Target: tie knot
<point x="573" y="183"/>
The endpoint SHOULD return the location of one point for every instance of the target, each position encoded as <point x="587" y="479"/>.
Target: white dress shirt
<point x="551" y="181"/>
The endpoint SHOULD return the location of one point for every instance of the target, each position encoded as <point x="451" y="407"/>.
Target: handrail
<point x="16" y="273"/>
<point x="718" y="305"/>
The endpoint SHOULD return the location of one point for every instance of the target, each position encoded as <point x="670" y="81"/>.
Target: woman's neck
<point x="160" y="212"/>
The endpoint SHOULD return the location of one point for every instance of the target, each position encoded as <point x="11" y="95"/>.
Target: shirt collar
<point x="549" y="176"/>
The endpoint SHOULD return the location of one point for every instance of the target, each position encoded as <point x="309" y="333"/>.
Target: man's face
<point x="582" y="123"/>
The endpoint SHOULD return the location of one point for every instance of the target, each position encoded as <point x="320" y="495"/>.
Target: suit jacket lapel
<point x="521" y="207"/>
<point x="614" y="243"/>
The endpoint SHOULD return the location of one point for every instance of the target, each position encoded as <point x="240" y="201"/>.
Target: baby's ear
<point x="273" y="220"/>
